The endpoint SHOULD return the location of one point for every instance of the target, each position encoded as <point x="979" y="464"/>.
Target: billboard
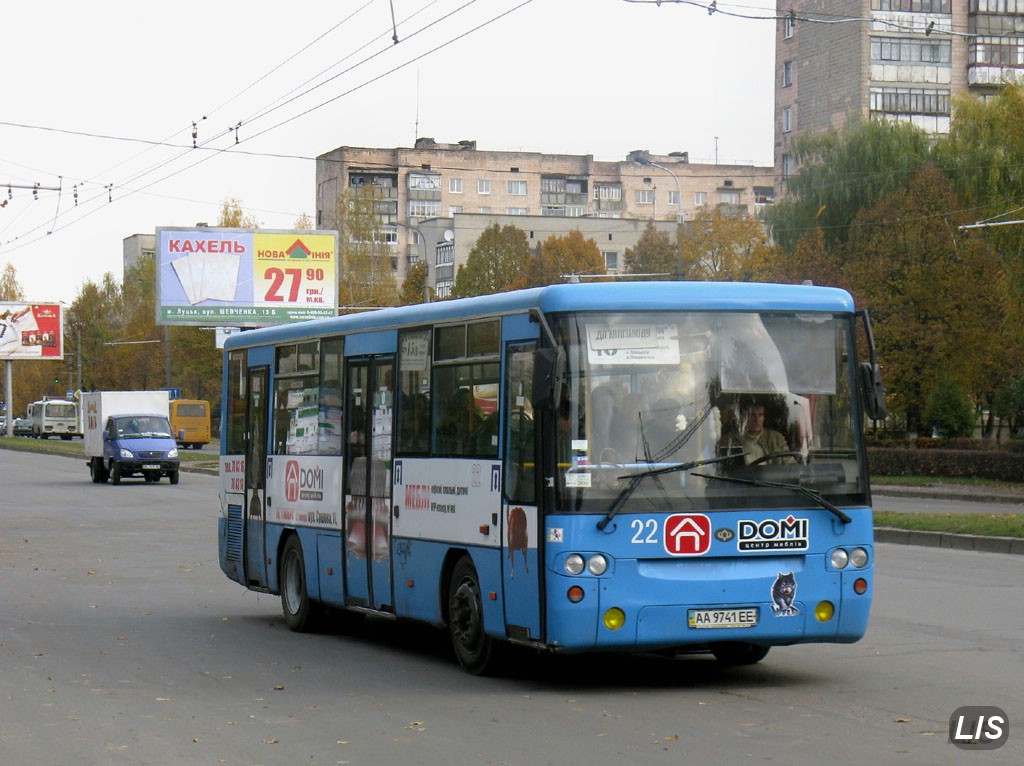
<point x="31" y="331"/>
<point x="245" y="277"/>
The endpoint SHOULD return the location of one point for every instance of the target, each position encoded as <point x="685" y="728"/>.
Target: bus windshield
<point x="708" y="411"/>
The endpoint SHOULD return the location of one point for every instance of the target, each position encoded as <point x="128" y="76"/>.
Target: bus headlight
<point x="597" y="564"/>
<point x="840" y="558"/>
<point x="574" y="564"/>
<point x="859" y="557"/>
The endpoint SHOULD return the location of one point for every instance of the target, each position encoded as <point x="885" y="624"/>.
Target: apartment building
<point x="414" y="186"/>
<point x="895" y="59"/>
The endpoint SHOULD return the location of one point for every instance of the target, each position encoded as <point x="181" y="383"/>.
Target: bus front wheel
<point x="735" y="653"/>
<point x="301" y="614"/>
<point x="474" y="649"/>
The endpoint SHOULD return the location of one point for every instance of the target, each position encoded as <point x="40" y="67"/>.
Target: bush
<point x="996" y="465"/>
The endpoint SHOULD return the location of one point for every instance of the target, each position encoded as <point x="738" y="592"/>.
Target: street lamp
<point x="643" y="157"/>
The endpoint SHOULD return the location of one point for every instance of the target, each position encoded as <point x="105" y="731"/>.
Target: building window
<point x="789" y="25"/>
<point x="455" y="185"/>
<point x="429" y="181"/>
<point x="644" y="196"/>
<point x="787" y="166"/>
<point x="787" y="119"/>
<point x="611" y="260"/>
<point x="608" y="191"/>
<point x="910" y="50"/>
<point x="672" y="198"/>
<point x="483" y="186"/>
<point x="575" y="211"/>
<point x="422" y="208"/>
<point x="485" y="210"/>
<point x="729" y="197"/>
<point x="517" y="211"/>
<point x="787" y="74"/>
<point x="910" y="101"/>
<point x="929" y="6"/>
<point x="516" y="188"/>
<point x="453" y="209"/>
<point x="700" y="199"/>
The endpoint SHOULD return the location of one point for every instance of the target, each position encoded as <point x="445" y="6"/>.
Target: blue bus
<point x="630" y="467"/>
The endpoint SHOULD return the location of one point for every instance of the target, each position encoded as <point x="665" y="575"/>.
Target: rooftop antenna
<point x="417" y="126"/>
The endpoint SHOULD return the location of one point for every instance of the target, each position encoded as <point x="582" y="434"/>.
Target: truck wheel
<point x="115" y="473"/>
<point x="96" y="471"/>
<point x="172" y="476"/>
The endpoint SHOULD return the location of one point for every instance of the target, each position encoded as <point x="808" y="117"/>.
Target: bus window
<point x="234" y="407"/>
<point x="520" y="452"/>
<point x="329" y="425"/>
<point x="414" y="393"/>
<point x="467" y="420"/>
<point x="296" y="404"/>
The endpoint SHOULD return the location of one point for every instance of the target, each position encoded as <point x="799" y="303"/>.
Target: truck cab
<point x="138" y="445"/>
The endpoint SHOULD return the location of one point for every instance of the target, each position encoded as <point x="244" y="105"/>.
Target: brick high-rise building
<point x="896" y="59"/>
<point x="432" y="181"/>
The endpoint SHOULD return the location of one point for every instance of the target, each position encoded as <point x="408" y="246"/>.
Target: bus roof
<point x="553" y="299"/>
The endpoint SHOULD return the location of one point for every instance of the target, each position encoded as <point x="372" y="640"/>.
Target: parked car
<point x="22" y="427"/>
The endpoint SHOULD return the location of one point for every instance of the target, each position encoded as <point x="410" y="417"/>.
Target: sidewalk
<point x="961" y="492"/>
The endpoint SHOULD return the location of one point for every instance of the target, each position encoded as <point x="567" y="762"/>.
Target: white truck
<point x="127" y="433"/>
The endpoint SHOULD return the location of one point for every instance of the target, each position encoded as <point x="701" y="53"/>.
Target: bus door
<point x="256" y="476"/>
<point x="370" y="411"/>
<point x="520" y="550"/>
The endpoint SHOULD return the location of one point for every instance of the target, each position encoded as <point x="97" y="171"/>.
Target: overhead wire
<point x="123" y="185"/>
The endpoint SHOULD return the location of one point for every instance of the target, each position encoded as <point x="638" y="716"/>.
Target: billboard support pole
<point x="8" y="393"/>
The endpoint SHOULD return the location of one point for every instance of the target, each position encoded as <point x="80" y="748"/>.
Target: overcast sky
<point x="99" y="99"/>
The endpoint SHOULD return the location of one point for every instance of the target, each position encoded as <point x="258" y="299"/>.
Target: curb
<point x="884" y="490"/>
<point x="980" y="543"/>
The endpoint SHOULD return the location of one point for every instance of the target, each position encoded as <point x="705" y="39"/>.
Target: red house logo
<point x="291" y="481"/>
<point x="687" y="534"/>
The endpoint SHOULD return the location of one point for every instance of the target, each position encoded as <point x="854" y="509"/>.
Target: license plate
<point x="150" y="467"/>
<point x="722" y="618"/>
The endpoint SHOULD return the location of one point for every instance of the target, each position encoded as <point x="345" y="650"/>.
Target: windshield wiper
<point x="813" y="494"/>
<point x="636" y="478"/>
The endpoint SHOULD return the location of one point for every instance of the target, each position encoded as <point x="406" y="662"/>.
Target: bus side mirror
<point x="181" y="435"/>
<point x="872" y="390"/>
<point x="548" y="372"/>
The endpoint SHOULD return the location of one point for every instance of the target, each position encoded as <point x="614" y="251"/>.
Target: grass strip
<point x="989" y="524"/>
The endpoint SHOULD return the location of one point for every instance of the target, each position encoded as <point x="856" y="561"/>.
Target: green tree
<point x="414" y="288"/>
<point x="497" y="263"/>
<point x="717" y="246"/>
<point x="938" y="299"/>
<point x="233" y="217"/>
<point x="10" y="288"/>
<point x="367" y="277"/>
<point x="841" y="173"/>
<point x="654" y="253"/>
<point x="557" y="256"/>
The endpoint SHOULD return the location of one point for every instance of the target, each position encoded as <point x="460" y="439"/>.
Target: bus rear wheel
<point x="736" y="653"/>
<point x="474" y="649"/>
<point x="301" y="614"/>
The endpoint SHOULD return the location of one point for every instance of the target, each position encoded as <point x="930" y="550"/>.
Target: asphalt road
<point x="122" y="643"/>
